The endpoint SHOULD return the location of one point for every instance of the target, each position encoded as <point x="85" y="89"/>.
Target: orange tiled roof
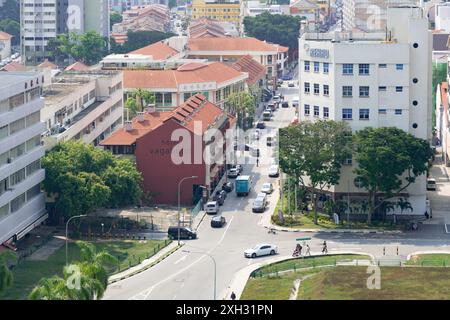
<point x="188" y="73"/>
<point x="77" y="66"/>
<point x="204" y="27"/>
<point x="48" y="64"/>
<point x="14" y="66"/>
<point x="158" y="50"/>
<point x="254" y="69"/>
<point x="196" y="108"/>
<point x="230" y="44"/>
<point x="5" y="36"/>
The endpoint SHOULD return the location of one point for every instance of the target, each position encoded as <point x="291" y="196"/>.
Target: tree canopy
<point x="84" y="178"/>
<point x="114" y="18"/>
<point x="389" y="160"/>
<point x="13" y="28"/>
<point x="138" y="39"/>
<point x="274" y="28"/>
<point x="10" y="10"/>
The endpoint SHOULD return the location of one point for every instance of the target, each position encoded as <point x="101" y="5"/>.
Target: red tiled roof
<point x="255" y="70"/>
<point x="197" y="108"/>
<point x="230" y="44"/>
<point x="48" y="64"/>
<point x="14" y="66"/>
<point x="204" y="27"/>
<point x="5" y="36"/>
<point x="189" y="73"/>
<point x="77" y="66"/>
<point x="158" y="50"/>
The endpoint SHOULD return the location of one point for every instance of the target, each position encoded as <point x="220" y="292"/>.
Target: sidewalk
<point x="146" y="264"/>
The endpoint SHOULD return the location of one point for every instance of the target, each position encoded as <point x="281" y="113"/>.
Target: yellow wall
<point x="217" y="11"/>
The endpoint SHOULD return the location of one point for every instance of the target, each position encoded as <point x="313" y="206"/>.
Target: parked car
<point x="212" y="207"/>
<point x="291" y="84"/>
<point x="271" y="106"/>
<point x="285" y="104"/>
<point x="295" y="103"/>
<point x="262" y="249"/>
<point x="255" y="135"/>
<point x="431" y="184"/>
<point x="233" y="173"/>
<point x="274" y="171"/>
<point x="220" y="197"/>
<point x="260" y="203"/>
<point x="185" y="233"/>
<point x="239" y="167"/>
<point x="261" y="125"/>
<point x="228" y="186"/>
<point x="267" y="188"/>
<point x="267" y="115"/>
<point x="276" y="98"/>
<point x="218" y="222"/>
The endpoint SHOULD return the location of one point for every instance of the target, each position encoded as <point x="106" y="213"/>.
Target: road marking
<point x="250" y="261"/>
<point x="224" y="233"/>
<point x="181" y="259"/>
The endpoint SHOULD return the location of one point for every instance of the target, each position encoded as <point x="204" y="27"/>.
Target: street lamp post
<point x="179" y="205"/>
<point x="67" y="238"/>
<point x="215" y="267"/>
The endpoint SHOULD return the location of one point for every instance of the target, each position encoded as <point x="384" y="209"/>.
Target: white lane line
<point x="181" y="259"/>
<point x="224" y="233"/>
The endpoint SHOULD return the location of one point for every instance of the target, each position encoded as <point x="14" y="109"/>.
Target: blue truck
<point x="243" y="185"/>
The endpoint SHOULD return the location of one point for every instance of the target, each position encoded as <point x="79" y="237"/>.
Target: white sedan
<point x="262" y="249"/>
<point x="267" y="188"/>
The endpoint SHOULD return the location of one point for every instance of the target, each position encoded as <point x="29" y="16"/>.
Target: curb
<point x="238" y="287"/>
<point x="147" y="266"/>
<point x="426" y="252"/>
<point x="364" y="231"/>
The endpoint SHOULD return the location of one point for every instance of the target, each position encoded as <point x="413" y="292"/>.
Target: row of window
<point x="325" y="67"/>
<point x="19" y="176"/>
<point x="347" y="113"/>
<point x="347" y="91"/>
<point x="19" y="125"/>
<point x="347" y="68"/>
<point x="316" y="109"/>
<point x="21" y="149"/>
<point x="316" y="88"/>
<point x="19" y="99"/>
<point x="19" y="201"/>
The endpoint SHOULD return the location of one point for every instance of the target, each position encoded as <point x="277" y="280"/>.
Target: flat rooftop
<point x="347" y="37"/>
<point x="9" y="78"/>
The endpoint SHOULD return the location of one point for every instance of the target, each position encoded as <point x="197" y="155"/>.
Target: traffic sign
<point x="302" y="239"/>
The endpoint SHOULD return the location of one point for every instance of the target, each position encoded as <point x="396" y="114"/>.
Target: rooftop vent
<point x="140" y="116"/>
<point x="128" y="126"/>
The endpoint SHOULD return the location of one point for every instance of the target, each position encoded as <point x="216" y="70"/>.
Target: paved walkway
<point x="46" y="250"/>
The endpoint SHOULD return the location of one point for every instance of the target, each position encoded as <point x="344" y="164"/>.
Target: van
<point x="267" y="115"/>
<point x="185" y="233"/>
<point x="431" y="184"/>
<point x="212" y="207"/>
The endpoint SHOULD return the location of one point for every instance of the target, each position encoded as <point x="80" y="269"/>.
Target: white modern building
<point x="85" y="105"/>
<point x="442" y="16"/>
<point x="253" y="8"/>
<point x="371" y="80"/>
<point x="22" y="204"/>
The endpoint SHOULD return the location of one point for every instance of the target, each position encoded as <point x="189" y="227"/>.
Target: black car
<point x="285" y="104"/>
<point x="228" y="187"/>
<point x="220" y="197"/>
<point x="218" y="222"/>
<point x="185" y="233"/>
<point x="261" y="125"/>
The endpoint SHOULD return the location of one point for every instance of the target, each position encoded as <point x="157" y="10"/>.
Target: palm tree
<point x="53" y="288"/>
<point x="6" y="276"/>
<point x="403" y="205"/>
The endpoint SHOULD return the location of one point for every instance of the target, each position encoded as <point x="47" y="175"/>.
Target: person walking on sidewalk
<point x="308" y="250"/>
<point x="324" y="249"/>
<point x="233" y="296"/>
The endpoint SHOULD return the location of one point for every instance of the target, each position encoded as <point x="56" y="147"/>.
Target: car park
<point x="233" y="173"/>
<point x="228" y="187"/>
<point x="184" y="233"/>
<point x="274" y="171"/>
<point x="212" y="207"/>
<point x="260" y="203"/>
<point x="262" y="249"/>
<point x="261" y="125"/>
<point x="218" y="222"/>
<point x="267" y="188"/>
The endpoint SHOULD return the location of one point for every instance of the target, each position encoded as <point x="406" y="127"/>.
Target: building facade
<point x="22" y="204"/>
<point x="371" y="80"/>
<point x="5" y="45"/>
<point x="85" y="105"/>
<point x="221" y="10"/>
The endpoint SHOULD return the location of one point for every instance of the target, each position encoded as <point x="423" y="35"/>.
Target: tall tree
<point x="13" y="28"/>
<point x="313" y="153"/>
<point x="139" y="39"/>
<point x="389" y="160"/>
<point x="6" y="276"/>
<point x="114" y="18"/>
<point x="242" y="104"/>
<point x="10" y="10"/>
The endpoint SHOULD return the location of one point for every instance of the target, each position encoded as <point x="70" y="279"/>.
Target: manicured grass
<point x="28" y="273"/>
<point x="350" y="283"/>
<point x="432" y="259"/>
<point x="308" y="262"/>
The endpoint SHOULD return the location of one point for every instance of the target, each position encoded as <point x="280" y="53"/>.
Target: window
<point x="4" y="211"/>
<point x="33" y="192"/>
<point x="326" y="112"/>
<point x="3" y="186"/>
<point x="33" y="167"/>
<point x="316" y="111"/>
<point x="307" y="88"/>
<point x="398" y="111"/>
<point x="316" y="88"/>
<point x="382" y="88"/>
<point x="347" y="91"/>
<point x="158" y="98"/>
<point x="18" y="202"/>
<point x="326" y="67"/>
<point x="17" y="177"/>
<point x="398" y="89"/>
<point x="167" y="99"/>
<point x="348" y="161"/>
<point x="347" y="114"/>
<point x="363" y="114"/>
<point x="326" y="90"/>
<point x="307" y="66"/>
<point x="4" y="158"/>
<point x="347" y="68"/>
<point x="307" y="110"/>
<point x="33" y="143"/>
<point x="382" y="111"/>
<point x="17" y="126"/>
<point x="364" y="68"/>
<point x="364" y="91"/>
<point x="3" y="132"/>
<point x="316" y="67"/>
<point x="17" y="151"/>
<point x="399" y="66"/>
<point x="382" y="65"/>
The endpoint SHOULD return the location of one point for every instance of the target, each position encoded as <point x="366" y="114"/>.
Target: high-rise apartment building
<point x="22" y="204"/>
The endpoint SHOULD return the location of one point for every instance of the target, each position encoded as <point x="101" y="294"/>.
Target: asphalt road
<point x="190" y="276"/>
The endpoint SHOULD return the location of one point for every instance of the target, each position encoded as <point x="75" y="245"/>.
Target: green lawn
<point x="349" y="283"/>
<point x="432" y="259"/>
<point x="308" y="262"/>
<point x="28" y="273"/>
